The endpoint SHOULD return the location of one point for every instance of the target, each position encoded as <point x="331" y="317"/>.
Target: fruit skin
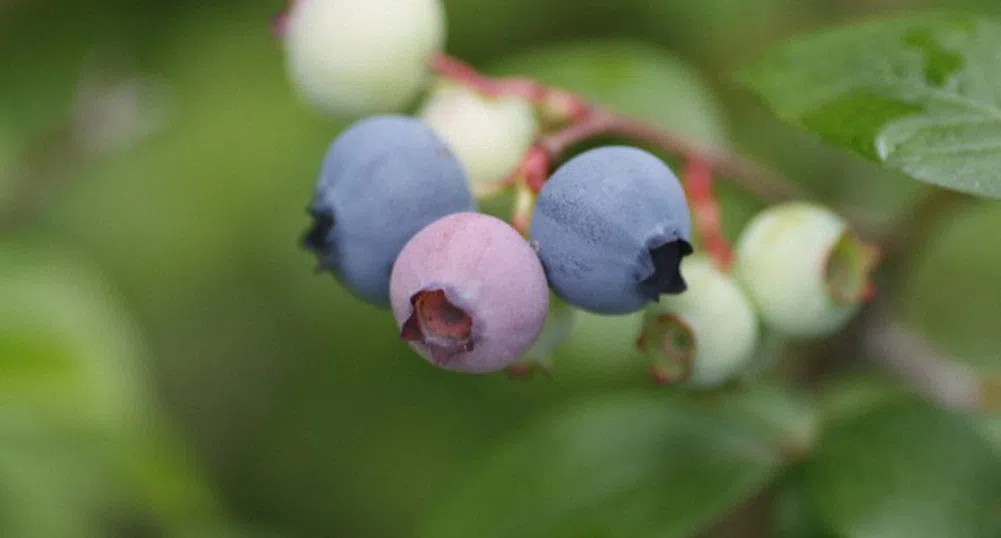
<point x="611" y="226"/>
<point x="382" y="181"/>
<point x="719" y="319"/>
<point x="781" y="259"/>
<point x="353" y="58"/>
<point x="488" y="134"/>
<point x="487" y="270"/>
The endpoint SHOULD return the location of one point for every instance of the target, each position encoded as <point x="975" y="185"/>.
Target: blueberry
<point x="469" y="293"/>
<point x="386" y="132"/>
<point x="382" y="181"/>
<point x="804" y="268"/>
<point x="611" y="227"/>
<point x="704" y="337"/>
<point x="488" y="134"/>
<point x="355" y="58"/>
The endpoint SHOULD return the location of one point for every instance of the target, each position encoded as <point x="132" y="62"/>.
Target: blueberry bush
<point x="523" y="269"/>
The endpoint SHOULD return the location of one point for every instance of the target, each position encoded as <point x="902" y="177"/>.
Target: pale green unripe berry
<point x="353" y="58"/>
<point x="705" y="336"/>
<point x="803" y="268"/>
<point x="560" y="320"/>
<point x="489" y="135"/>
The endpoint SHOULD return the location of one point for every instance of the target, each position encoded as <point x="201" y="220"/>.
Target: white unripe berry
<point x="803" y="268"/>
<point x="705" y="336"/>
<point x="353" y="58"/>
<point x="489" y="135"/>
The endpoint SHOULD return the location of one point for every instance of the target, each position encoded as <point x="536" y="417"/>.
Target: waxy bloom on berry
<point x="611" y="227"/>
<point x="382" y="181"/>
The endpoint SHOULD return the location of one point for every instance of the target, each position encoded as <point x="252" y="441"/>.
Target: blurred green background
<point x="171" y="366"/>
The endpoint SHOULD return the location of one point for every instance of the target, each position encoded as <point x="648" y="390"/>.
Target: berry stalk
<point x="763" y="183"/>
<point x="705" y="207"/>
<point x="279" y="23"/>
<point x="557" y="105"/>
<point x="587" y="121"/>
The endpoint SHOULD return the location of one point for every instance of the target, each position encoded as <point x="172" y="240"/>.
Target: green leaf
<point x="951" y="296"/>
<point x="602" y="349"/>
<point x="793" y="517"/>
<point x="79" y="433"/>
<point x="905" y="469"/>
<point x="67" y="349"/>
<point x="989" y="427"/>
<point x="633" y="79"/>
<point x="918" y="93"/>
<point x="631" y="466"/>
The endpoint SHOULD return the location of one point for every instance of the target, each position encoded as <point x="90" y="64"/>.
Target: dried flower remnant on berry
<point x="442" y="327"/>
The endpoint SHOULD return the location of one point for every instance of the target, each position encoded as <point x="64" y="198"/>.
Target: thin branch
<point x="705" y="207"/>
<point x="556" y="104"/>
<point x="762" y="182"/>
<point x="279" y="23"/>
<point x="907" y="354"/>
<point x="585" y="121"/>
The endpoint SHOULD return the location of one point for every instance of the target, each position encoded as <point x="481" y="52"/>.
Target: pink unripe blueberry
<point x="469" y="293"/>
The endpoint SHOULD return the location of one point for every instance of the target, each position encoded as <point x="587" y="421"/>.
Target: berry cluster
<point x="608" y="231"/>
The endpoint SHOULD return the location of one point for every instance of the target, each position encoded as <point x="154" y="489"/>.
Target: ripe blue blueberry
<point x="383" y="180"/>
<point x="611" y="227"/>
<point x="469" y="293"/>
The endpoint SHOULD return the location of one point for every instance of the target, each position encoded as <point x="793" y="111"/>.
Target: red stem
<point x="462" y="73"/>
<point x="763" y="183"/>
<point x="705" y="207"/>
<point x="560" y="104"/>
<point x="279" y="24"/>
<point x="587" y="121"/>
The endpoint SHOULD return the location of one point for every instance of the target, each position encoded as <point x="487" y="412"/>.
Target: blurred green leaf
<point x="631" y="78"/>
<point x="79" y="433"/>
<point x="794" y="517"/>
<point x="905" y="469"/>
<point x="8" y="148"/>
<point x="602" y="348"/>
<point x="66" y="348"/>
<point x="990" y="428"/>
<point x="54" y="475"/>
<point x="846" y="397"/>
<point x="788" y="418"/>
<point x="164" y="479"/>
<point x="951" y="293"/>
<point x="713" y="31"/>
<point x="917" y="93"/>
<point x="626" y="465"/>
<point x="227" y="531"/>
